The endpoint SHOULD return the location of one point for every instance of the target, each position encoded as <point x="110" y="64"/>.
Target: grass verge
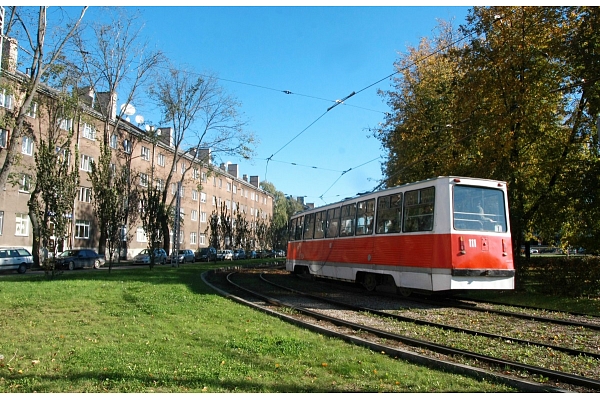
<point x="164" y="330"/>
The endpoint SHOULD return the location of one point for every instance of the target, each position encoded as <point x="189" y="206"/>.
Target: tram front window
<point x="479" y="209"/>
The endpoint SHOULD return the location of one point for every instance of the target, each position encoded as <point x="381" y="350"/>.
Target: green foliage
<point x="109" y="186"/>
<point x="516" y="100"/>
<point x="153" y="212"/>
<point x="563" y="276"/>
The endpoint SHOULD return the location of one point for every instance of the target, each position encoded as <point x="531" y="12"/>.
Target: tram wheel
<point x="369" y="281"/>
<point x="404" y="292"/>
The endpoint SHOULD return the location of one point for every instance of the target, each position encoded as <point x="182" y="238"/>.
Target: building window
<point x="228" y="187"/>
<point x="89" y="132"/>
<point x="182" y="167"/>
<point x="214" y="202"/>
<point x="113" y="141"/>
<point x="160" y="159"/>
<point x="202" y="239"/>
<point x="140" y="235"/>
<point x="32" y="110"/>
<point x="145" y="154"/>
<point x="195" y="173"/>
<point x="160" y="184"/>
<point x="66" y="124"/>
<point x="181" y="191"/>
<point x="220" y="183"/>
<point x="234" y="189"/>
<point x="228" y="204"/>
<point x="3" y="138"/>
<point x="202" y="197"/>
<point x="127" y="146"/>
<point x="22" y="223"/>
<point x="27" y="145"/>
<point x="181" y="214"/>
<point x="193" y="237"/>
<point x="173" y="188"/>
<point x="204" y="177"/>
<point x="194" y="215"/>
<point x="202" y="216"/>
<point x="85" y="194"/>
<point x="82" y="229"/>
<point x="144" y="180"/>
<point x="6" y="100"/>
<point x="25" y="183"/>
<point x="86" y="163"/>
<point x="194" y="194"/>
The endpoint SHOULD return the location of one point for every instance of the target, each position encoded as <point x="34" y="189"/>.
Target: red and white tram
<point x="441" y="234"/>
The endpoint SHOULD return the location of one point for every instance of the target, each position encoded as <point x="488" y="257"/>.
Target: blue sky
<point x="320" y="54"/>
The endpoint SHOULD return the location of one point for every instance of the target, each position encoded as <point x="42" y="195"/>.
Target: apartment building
<point x="150" y="155"/>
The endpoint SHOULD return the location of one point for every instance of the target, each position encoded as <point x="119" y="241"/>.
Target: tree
<point x="56" y="181"/>
<point x="117" y="59"/>
<point x="202" y="116"/>
<point x="41" y="62"/>
<point x="108" y="186"/>
<point x="153" y="211"/>
<point x="493" y="108"/>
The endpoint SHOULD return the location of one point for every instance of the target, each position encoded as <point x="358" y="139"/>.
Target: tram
<point x="445" y="234"/>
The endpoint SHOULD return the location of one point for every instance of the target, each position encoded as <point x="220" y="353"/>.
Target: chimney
<point x="165" y="135"/>
<point x="254" y="180"/>
<point x="10" y="51"/>
<point x="107" y="104"/>
<point x="204" y="155"/>
<point x="232" y="169"/>
<point x="245" y="177"/>
<point x="86" y="95"/>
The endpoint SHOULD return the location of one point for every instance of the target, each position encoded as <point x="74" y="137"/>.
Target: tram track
<point x="368" y="333"/>
<point x="574" y="352"/>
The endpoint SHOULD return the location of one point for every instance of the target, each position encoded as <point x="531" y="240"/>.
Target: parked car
<point x="15" y="258"/>
<point x="160" y="257"/>
<point x="183" y="256"/>
<point x="252" y="254"/>
<point x="279" y="253"/>
<point x="206" y="254"/>
<point x="268" y="254"/>
<point x="224" y="255"/>
<point x="81" y="258"/>
<point x="239" y="254"/>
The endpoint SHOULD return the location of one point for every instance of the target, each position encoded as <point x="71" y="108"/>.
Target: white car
<point x="223" y="255"/>
<point x="15" y="258"/>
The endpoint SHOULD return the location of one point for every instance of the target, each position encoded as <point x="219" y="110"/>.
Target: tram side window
<point x="333" y="222"/>
<point x="389" y="213"/>
<point x="320" y="225"/>
<point x="347" y="220"/>
<point x="418" y="210"/>
<point x="298" y="228"/>
<point x="365" y="217"/>
<point x="291" y="229"/>
<point x="309" y="226"/>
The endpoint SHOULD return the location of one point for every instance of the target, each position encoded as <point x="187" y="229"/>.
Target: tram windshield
<point x="479" y="209"/>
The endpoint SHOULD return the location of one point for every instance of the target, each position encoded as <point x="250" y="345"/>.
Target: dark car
<point x="17" y="258"/>
<point x="239" y="254"/>
<point x="82" y="258"/>
<point x="253" y="254"/>
<point x="206" y="254"/>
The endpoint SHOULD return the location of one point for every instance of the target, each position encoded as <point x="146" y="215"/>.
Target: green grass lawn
<point x="164" y="330"/>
